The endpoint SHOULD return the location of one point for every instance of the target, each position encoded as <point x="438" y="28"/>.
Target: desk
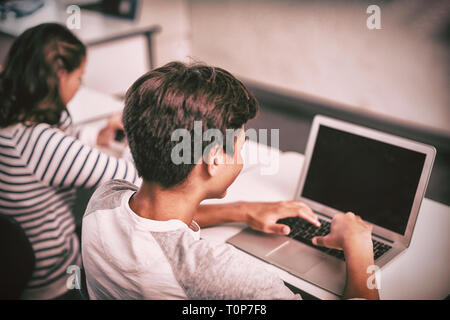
<point x="89" y="106"/>
<point x="96" y="28"/>
<point x="421" y="272"/>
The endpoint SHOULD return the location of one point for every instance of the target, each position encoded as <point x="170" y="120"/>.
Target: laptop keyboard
<point x="303" y="231"/>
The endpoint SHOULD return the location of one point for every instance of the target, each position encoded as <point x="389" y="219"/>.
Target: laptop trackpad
<point x="296" y="257"/>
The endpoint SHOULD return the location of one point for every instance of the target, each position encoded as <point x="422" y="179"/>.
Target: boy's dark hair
<point x="173" y="97"/>
<point x="30" y="75"/>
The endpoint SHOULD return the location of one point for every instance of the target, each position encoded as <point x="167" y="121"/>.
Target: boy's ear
<point x="62" y="74"/>
<point x="215" y="159"/>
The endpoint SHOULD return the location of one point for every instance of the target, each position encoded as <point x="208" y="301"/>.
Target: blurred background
<point x="299" y="57"/>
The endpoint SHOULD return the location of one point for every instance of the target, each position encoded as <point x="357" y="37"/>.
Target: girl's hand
<point x="107" y="134"/>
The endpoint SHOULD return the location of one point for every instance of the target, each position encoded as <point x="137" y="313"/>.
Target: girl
<point x="42" y="159"/>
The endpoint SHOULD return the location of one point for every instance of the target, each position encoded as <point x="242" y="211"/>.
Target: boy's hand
<point x="263" y="216"/>
<point x="350" y="233"/>
<point x="347" y="230"/>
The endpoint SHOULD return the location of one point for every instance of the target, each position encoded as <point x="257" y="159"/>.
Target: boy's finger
<point x="279" y="228"/>
<point x="309" y="215"/>
<point x="319" y="241"/>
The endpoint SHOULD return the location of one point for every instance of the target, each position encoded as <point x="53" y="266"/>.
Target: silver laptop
<point x="378" y="176"/>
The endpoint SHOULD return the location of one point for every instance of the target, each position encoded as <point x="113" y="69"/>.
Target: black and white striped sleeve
<point x="62" y="160"/>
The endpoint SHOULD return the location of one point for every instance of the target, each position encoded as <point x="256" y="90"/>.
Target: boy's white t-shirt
<point x="126" y="256"/>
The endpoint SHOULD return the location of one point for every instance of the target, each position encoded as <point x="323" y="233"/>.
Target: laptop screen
<point x="373" y="179"/>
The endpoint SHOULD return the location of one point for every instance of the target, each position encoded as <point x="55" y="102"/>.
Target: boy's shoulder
<point x="109" y="195"/>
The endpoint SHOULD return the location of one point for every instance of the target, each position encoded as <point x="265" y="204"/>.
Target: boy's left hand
<point x="263" y="216"/>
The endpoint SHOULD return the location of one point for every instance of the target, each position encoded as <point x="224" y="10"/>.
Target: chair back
<point x="17" y="258"/>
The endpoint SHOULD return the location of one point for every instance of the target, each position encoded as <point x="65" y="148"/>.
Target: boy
<point x="142" y="243"/>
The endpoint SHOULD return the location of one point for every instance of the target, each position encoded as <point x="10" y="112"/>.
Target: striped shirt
<point x="40" y="167"/>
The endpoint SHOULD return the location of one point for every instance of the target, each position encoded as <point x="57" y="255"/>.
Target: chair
<point x="16" y="258"/>
<point x="83" y="290"/>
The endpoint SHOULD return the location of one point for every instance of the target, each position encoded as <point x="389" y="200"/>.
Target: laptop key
<point x="303" y="231"/>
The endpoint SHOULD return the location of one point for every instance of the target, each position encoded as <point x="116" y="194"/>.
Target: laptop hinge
<point x="383" y="238"/>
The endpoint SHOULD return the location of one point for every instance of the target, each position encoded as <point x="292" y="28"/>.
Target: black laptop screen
<point x="375" y="180"/>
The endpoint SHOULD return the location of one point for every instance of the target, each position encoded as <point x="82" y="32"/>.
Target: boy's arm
<point x="351" y="234"/>
<point x="359" y="256"/>
<point x="261" y="216"/>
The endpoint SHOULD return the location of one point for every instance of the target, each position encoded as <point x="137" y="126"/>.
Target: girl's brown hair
<point x="29" y="83"/>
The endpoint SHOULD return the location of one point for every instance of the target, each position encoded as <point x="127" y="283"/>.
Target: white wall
<point x="324" y="49"/>
<point x="173" y="42"/>
<point x="319" y="48"/>
<point x="113" y="67"/>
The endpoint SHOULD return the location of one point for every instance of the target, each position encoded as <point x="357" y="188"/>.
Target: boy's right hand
<point x="347" y="231"/>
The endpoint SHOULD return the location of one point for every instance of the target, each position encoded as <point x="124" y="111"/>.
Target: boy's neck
<point x="153" y="202"/>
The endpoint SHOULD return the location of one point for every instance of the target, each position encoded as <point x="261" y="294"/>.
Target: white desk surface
<point x="89" y="105"/>
<point x="94" y="25"/>
<point x="421" y="272"/>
